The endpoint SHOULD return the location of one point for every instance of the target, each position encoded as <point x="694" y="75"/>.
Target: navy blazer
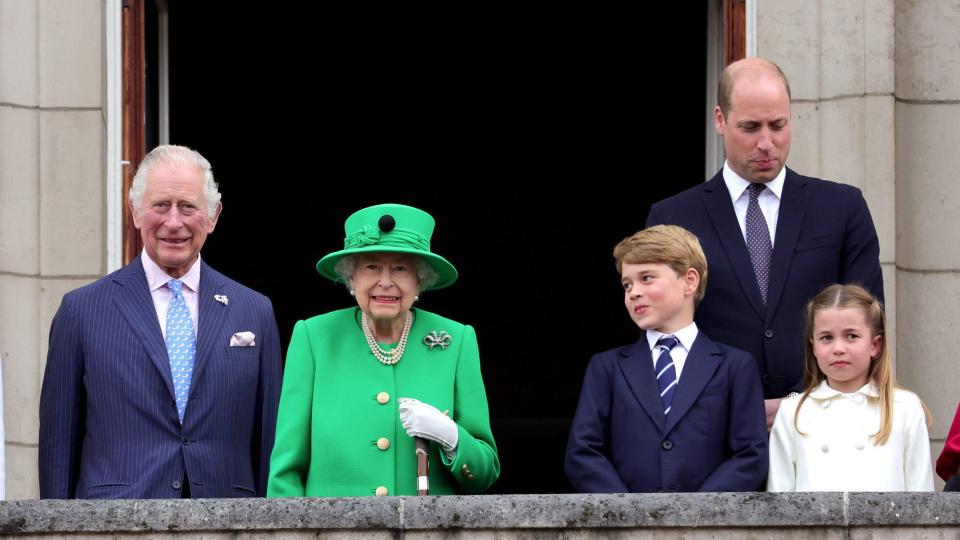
<point x="108" y="419"/>
<point x="714" y="439"/>
<point x="825" y="235"/>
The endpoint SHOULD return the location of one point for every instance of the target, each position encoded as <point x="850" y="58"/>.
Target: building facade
<point x="876" y="104"/>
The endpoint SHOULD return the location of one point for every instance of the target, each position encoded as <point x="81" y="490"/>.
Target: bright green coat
<point x="330" y="419"/>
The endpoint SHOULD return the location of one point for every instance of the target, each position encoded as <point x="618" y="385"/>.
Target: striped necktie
<point x="666" y="372"/>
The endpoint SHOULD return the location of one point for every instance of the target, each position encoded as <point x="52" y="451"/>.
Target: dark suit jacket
<point x="714" y="439"/>
<point x="108" y="420"/>
<point x="825" y="235"/>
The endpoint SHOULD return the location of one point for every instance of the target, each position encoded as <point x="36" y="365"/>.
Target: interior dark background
<point x="536" y="139"/>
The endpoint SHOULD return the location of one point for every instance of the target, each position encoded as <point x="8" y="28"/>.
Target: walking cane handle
<point x="423" y="466"/>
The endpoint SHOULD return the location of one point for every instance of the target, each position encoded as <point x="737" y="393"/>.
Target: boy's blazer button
<point x="768" y="334"/>
<point x="381" y="491"/>
<point x="175" y="484"/>
<point x="383" y="443"/>
<point x="667" y="445"/>
<point x="383" y="398"/>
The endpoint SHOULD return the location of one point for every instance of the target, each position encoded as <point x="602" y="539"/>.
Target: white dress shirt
<point x="769" y="199"/>
<point x="162" y="295"/>
<point x="837" y="453"/>
<point x="686" y="335"/>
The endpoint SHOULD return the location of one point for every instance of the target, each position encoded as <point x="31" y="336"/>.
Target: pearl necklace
<point x="387" y="357"/>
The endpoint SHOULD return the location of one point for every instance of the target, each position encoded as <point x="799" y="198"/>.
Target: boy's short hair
<point x="671" y="245"/>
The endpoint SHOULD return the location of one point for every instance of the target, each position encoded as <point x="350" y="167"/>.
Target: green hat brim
<point x="446" y="273"/>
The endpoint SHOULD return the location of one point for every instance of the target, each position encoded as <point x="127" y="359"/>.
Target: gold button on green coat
<point x="327" y="420"/>
<point x="383" y="398"/>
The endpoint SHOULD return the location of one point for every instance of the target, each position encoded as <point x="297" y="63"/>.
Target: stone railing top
<point x="485" y="512"/>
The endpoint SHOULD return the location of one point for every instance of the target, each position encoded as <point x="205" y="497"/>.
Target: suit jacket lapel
<point x="210" y="318"/>
<point x="724" y="219"/>
<point x="637" y="367"/>
<point x="702" y="362"/>
<point x="793" y="207"/>
<point x="135" y="303"/>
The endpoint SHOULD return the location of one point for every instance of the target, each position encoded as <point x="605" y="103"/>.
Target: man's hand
<point x="771" y="406"/>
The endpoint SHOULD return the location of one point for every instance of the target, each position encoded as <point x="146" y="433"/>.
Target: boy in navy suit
<point x="674" y="411"/>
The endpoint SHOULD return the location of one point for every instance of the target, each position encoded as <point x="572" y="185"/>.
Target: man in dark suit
<point x="162" y="378"/>
<point x="773" y="238"/>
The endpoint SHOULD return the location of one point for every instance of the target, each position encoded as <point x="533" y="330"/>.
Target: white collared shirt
<point x="162" y="295"/>
<point x="835" y="451"/>
<point x="769" y="199"/>
<point x="686" y="335"/>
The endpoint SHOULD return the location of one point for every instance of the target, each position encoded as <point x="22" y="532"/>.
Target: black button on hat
<point x="387" y="223"/>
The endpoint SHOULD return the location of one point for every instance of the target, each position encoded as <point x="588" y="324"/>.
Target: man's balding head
<point x="746" y="68"/>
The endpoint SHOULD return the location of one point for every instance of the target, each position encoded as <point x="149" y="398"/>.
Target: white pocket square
<point x="243" y="339"/>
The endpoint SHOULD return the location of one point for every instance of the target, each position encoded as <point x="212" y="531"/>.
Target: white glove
<point x="424" y="420"/>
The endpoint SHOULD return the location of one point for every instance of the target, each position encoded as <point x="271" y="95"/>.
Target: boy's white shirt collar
<point x="686" y="335"/>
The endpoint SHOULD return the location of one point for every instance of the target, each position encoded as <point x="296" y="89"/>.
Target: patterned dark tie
<point x="666" y="372"/>
<point x="181" y="345"/>
<point x="758" y="240"/>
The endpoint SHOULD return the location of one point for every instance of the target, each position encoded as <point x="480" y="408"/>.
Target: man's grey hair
<point x="426" y="275"/>
<point x="169" y="154"/>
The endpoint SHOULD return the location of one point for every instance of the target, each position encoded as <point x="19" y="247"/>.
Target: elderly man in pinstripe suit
<point x="163" y="378"/>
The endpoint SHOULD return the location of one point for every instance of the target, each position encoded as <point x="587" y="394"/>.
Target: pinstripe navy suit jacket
<point x="108" y="420"/>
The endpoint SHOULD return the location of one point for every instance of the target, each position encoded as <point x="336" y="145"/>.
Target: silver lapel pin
<point x="222" y="298"/>
<point x="434" y="339"/>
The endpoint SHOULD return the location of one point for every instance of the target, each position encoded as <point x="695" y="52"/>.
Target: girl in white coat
<point x="851" y="429"/>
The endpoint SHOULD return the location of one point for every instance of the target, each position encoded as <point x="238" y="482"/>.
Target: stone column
<point x="928" y="204"/>
<point x="52" y="229"/>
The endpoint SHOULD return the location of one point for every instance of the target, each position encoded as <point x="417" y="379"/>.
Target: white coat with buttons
<point x="836" y="452"/>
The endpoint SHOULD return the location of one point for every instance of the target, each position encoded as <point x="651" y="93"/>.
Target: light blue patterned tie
<point x="181" y="345"/>
<point x="666" y="372"/>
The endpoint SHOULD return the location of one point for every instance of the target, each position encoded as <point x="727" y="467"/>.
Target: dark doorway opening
<point x="537" y="139"/>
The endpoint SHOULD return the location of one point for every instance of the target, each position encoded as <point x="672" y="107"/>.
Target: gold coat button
<point x="383" y="398"/>
<point x="382" y="491"/>
<point x="383" y="443"/>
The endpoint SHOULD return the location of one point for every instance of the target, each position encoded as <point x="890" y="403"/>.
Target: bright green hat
<point x="389" y="228"/>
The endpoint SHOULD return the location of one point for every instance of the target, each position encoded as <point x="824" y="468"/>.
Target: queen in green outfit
<point x="361" y="382"/>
